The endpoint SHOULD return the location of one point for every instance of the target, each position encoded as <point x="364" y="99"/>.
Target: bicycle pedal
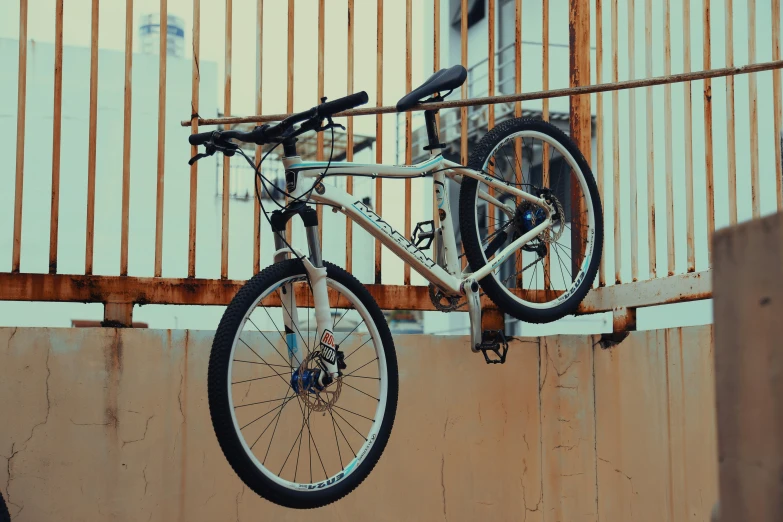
<point x="424" y="231"/>
<point x="494" y="341"/>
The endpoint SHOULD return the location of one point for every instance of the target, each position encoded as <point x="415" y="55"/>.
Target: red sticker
<point x="327" y="338"/>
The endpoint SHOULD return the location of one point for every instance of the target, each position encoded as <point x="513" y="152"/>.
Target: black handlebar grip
<point x="342" y="104"/>
<point x="200" y="138"/>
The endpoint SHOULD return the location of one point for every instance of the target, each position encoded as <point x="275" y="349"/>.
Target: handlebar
<point x="269" y="133"/>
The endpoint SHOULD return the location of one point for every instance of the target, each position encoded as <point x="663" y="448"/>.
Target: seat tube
<point x="446" y="242"/>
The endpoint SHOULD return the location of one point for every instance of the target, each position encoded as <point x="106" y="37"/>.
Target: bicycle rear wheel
<point x="548" y="277"/>
<point x="291" y="442"/>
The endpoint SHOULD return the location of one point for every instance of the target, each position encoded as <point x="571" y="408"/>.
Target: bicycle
<point x="510" y="222"/>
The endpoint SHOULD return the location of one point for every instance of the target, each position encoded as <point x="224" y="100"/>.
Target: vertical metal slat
<point x="408" y="124"/>
<point x="686" y="22"/>
<point x="126" y="137"/>
<point x="93" y="132"/>
<point x="648" y="21"/>
<point x="753" y="104"/>
<point x="226" y="160"/>
<point x="349" y="146"/>
<point x="706" y="45"/>
<point x="259" y="187"/>
<point x="195" y="80"/>
<point x="379" y="134"/>
<point x="161" y="137"/>
<point x="56" y="134"/>
<point x="731" y="145"/>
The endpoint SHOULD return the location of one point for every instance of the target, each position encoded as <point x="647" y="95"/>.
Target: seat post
<point x="432" y="131"/>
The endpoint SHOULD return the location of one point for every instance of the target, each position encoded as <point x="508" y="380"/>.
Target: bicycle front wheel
<point x="292" y="442"/>
<point x="548" y="277"/>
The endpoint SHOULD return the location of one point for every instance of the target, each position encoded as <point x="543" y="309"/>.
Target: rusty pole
<point x="579" y="43"/>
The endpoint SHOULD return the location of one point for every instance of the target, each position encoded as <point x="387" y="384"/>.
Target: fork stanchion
<point x="379" y="134"/>
<point x="258" y="184"/>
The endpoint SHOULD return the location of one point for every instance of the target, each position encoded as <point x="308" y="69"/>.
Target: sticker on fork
<point x="327" y="347"/>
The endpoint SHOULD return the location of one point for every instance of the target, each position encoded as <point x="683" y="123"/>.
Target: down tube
<point x="391" y="238"/>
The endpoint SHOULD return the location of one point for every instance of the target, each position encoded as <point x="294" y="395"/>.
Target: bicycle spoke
<point x="352" y="331"/>
<point x="360" y="391"/>
<point x="361" y="377"/>
<point x="298" y="437"/>
<point x="360" y="367"/>
<point x="270" y="342"/>
<point x="254" y="379"/>
<point x="279" y="411"/>
<point x="342" y="433"/>
<point x="351" y="425"/>
<point x="262" y="416"/>
<point x="353" y="352"/>
<point x="284" y="380"/>
<point x="264" y="363"/>
<point x="337" y="442"/>
<point x="349" y="411"/>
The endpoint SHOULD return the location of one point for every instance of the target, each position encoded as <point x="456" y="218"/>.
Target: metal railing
<point x="618" y="181"/>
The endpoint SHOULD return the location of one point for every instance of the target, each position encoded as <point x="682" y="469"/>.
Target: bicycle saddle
<point x="443" y="80"/>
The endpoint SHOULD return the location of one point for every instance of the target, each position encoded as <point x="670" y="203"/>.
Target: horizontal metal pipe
<point x="190" y="291"/>
<point x="536" y="95"/>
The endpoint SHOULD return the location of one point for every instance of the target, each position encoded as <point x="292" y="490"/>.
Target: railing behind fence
<point x="712" y="174"/>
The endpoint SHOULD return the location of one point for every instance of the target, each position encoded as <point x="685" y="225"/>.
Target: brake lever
<point x="227" y="148"/>
<point x="330" y="125"/>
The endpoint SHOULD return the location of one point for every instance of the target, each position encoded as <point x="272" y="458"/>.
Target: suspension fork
<point x="323" y="317"/>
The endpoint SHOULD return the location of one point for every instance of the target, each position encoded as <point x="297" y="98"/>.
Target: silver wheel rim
<point x="355" y="454"/>
<point x="569" y="290"/>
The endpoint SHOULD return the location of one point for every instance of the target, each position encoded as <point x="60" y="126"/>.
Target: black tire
<point x="4" y="515"/>
<point x="220" y="405"/>
<point x="472" y="243"/>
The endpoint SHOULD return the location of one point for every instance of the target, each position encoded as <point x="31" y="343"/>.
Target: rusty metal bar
<point x="616" y="150"/>
<point x="126" y="137"/>
<point x="226" y="160"/>
<point x="195" y="80"/>
<point x="599" y="124"/>
<point x="463" y="149"/>
<point x="731" y="159"/>
<point x="319" y="138"/>
<point x="754" y="113"/>
<point x="20" y="121"/>
<point x="545" y="117"/>
<point x="290" y="90"/>
<point x="520" y="97"/>
<point x="436" y="46"/>
<point x="379" y="133"/>
<point x="648" y="22"/>
<point x="686" y="37"/>
<point x="632" y="174"/>
<point x="93" y="133"/>
<point x="667" y="115"/>
<point x="161" y="136"/>
<point x="189" y="291"/>
<point x="490" y="83"/>
<point x="349" y="145"/>
<point x="517" y="110"/>
<point x="56" y="133"/>
<point x="580" y="119"/>
<point x="706" y="43"/>
<point x="776" y="96"/>
<point x="258" y="186"/>
<point x="406" y="277"/>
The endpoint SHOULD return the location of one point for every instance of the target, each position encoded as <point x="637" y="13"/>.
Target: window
<point x="475" y="12"/>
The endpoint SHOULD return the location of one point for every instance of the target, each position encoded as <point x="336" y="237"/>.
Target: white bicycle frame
<point x="443" y="271"/>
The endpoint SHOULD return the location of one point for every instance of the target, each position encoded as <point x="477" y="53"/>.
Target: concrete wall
<point x="103" y="424"/>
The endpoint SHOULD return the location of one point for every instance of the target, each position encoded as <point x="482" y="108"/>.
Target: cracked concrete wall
<point x="104" y="424"/>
